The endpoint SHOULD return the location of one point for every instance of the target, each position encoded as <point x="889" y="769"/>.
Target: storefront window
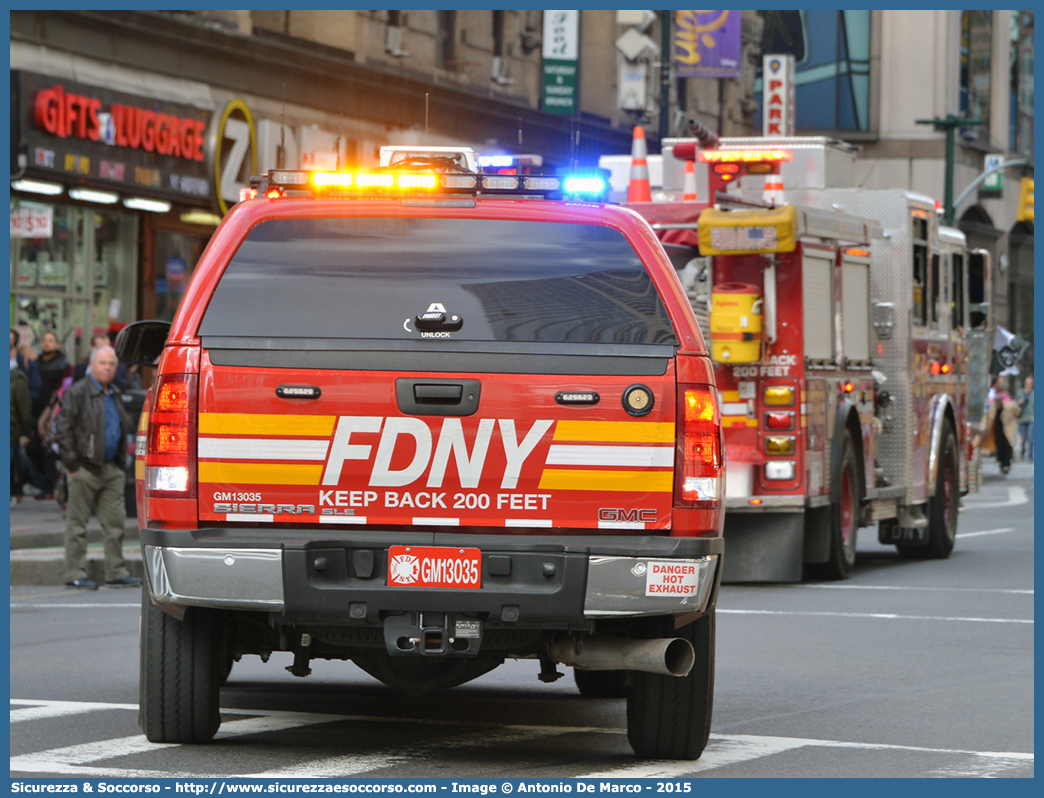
<point x="68" y="265"/>
<point x="176" y="258"/>
<point x="115" y="240"/>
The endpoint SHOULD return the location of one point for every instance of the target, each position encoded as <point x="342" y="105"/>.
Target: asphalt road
<point x="909" y="669"/>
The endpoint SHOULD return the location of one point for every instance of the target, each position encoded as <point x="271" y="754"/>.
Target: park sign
<point x="777" y="95"/>
<point x="561" y="50"/>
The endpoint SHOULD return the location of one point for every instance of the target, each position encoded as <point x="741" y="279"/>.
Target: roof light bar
<point x="459" y="181"/>
<point x="584" y="185"/>
<point x="396" y="181"/>
<point x="744" y="156"/>
<point x="500" y="183"/>
<point x="542" y="183"/>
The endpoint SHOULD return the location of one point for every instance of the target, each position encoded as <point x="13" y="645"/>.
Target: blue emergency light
<point x="584" y="185"/>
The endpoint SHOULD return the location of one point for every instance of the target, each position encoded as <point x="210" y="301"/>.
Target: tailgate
<point x="532" y="453"/>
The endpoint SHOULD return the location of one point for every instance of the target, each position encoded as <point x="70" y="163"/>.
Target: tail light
<point x="170" y="444"/>
<point x="698" y="463"/>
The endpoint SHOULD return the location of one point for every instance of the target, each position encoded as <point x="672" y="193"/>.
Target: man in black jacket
<point x="92" y="440"/>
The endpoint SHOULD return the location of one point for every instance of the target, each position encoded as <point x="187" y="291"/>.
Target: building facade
<point x="144" y="126"/>
<point x="871" y="77"/>
<point x="133" y="132"/>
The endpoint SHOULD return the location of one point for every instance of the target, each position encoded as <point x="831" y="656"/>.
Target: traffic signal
<point x="1025" y="210"/>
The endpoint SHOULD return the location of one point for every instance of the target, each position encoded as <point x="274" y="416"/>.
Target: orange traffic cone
<point x="689" y="186"/>
<point x="773" y="193"/>
<point x="638" y="189"/>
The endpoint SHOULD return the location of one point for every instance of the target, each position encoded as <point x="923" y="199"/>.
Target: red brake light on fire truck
<point x="935" y="368"/>
<point x="783" y="420"/>
<point x="172" y="397"/>
<point x="170" y="444"/>
<point x="726" y="168"/>
<point x="171" y="439"/>
<point x="743" y="156"/>
<point x="699" y="448"/>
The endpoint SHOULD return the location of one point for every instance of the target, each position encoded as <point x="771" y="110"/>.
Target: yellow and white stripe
<point x="265" y="424"/>
<point x="634" y="456"/>
<point x="262" y="449"/>
<point x="262" y="436"/>
<point x="656" y="451"/>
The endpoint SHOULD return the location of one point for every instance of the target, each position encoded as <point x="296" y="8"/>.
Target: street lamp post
<point x="665" y="74"/>
<point x="948" y="125"/>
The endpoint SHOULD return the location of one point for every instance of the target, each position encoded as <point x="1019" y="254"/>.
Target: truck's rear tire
<point x="942" y="507"/>
<point x="601" y="684"/>
<point x="844" y="518"/>
<point x="669" y="717"/>
<point x="181" y="666"/>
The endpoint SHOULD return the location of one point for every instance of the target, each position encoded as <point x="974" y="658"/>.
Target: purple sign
<point x="707" y="44"/>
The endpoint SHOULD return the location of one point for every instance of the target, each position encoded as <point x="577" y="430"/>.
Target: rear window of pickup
<point x="370" y="278"/>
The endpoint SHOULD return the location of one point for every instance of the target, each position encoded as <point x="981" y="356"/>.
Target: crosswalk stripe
<point x="36" y="710"/>
<point x="721" y="751"/>
<point x="85" y="760"/>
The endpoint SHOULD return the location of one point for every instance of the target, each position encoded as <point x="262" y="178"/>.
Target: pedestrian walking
<point x="21" y="427"/>
<point x="26" y="363"/>
<point x="1024" y="399"/>
<point x="92" y="439"/>
<point x="1001" y="419"/>
<point x="122" y="380"/>
<point x="52" y="366"/>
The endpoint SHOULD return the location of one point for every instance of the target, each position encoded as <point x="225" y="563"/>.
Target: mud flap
<point x="763" y="547"/>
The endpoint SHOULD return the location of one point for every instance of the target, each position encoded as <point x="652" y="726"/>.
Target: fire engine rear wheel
<point x="942" y="507"/>
<point x="844" y="518"/>
<point x="669" y="717"/>
<point x="181" y="666"/>
<point x="601" y="684"/>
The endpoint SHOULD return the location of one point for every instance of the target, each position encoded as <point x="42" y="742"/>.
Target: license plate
<point x="434" y="566"/>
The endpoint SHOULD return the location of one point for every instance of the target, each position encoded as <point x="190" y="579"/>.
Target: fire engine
<point x="840" y="323"/>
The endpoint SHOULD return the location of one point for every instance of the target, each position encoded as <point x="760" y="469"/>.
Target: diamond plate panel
<point x="891" y="280"/>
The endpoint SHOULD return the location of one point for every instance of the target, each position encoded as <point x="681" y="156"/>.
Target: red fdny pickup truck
<point x="427" y="420"/>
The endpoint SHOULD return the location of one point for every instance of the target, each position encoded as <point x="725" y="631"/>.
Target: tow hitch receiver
<point x="432" y="634"/>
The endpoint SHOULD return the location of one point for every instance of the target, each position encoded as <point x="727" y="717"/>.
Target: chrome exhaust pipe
<point x="670" y="656"/>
